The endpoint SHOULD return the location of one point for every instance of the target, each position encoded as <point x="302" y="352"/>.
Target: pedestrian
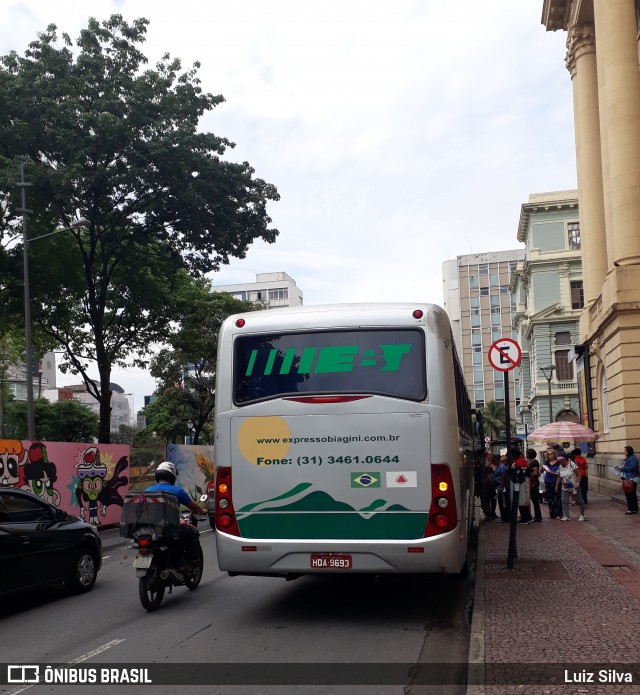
<point x="519" y="462"/>
<point x="489" y="504"/>
<point x="577" y="457"/>
<point x="493" y="498"/>
<point x="630" y="475"/>
<point x="533" y="471"/>
<point x="568" y="481"/>
<point x="501" y="486"/>
<point x="550" y="468"/>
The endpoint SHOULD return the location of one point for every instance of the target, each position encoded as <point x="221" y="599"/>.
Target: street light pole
<point x="22" y="184"/>
<point x="548" y="374"/>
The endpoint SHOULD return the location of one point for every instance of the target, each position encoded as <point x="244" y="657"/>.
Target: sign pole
<point x="514" y="487"/>
<point x="504" y="355"/>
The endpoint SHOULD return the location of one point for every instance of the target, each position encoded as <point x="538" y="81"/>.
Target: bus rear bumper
<point x="439" y="555"/>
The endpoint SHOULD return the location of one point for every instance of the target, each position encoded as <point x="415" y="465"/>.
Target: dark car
<point x="41" y="544"/>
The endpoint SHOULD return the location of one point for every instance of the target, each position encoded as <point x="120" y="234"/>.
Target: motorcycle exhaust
<point x="172" y="576"/>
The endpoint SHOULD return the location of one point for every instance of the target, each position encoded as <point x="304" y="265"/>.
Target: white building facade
<point x="477" y="299"/>
<point x="275" y="290"/>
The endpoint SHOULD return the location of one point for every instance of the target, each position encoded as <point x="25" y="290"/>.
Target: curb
<point x="476" y="639"/>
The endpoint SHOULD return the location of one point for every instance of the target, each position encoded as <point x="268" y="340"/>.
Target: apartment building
<point x="275" y="290"/>
<point x="477" y="298"/>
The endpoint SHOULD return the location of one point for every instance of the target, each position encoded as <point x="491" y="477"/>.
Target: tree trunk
<point x="104" y="429"/>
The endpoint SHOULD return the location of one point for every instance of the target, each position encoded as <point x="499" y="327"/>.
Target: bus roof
<point x="340" y="316"/>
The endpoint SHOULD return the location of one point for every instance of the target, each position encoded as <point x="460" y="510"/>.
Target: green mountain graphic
<point x="318" y="515"/>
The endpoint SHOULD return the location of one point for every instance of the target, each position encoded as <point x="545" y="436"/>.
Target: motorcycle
<point x="161" y="564"/>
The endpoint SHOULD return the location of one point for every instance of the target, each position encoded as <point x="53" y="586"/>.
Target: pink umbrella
<point x="562" y="432"/>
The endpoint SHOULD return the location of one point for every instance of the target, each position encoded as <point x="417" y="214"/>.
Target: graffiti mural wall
<point x="194" y="465"/>
<point x="88" y="480"/>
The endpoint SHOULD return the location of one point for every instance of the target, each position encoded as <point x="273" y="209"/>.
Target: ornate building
<point x="548" y="298"/>
<point x="602" y="59"/>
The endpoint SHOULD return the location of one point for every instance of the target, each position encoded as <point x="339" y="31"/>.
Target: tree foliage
<point x="117" y="143"/>
<point x="186" y="368"/>
<point x="63" y="421"/>
<point x="494" y="418"/>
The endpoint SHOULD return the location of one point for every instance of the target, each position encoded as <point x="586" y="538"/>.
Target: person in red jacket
<point x="519" y="461"/>
<point x="577" y="457"/>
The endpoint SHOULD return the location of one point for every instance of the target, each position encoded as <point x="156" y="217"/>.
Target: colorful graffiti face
<point x="95" y="488"/>
<point x="40" y="474"/>
<point x="12" y="456"/>
<point x="92" y="473"/>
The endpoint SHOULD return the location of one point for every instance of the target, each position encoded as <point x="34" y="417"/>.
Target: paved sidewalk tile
<point x="572" y="598"/>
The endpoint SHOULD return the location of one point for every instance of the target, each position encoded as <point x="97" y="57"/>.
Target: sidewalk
<point x="571" y="599"/>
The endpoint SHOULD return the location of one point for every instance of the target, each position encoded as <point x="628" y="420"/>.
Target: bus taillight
<point x="225" y="513"/>
<point x="443" y="515"/>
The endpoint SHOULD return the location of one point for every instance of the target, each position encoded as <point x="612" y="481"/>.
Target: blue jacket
<point x="630" y="467"/>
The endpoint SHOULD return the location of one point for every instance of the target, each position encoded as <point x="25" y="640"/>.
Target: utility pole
<point x="28" y="352"/>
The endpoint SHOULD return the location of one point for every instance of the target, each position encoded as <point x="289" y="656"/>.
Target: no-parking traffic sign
<point x="505" y="354"/>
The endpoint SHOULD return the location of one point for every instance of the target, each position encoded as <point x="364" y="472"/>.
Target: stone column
<point x="619" y="93"/>
<point x="581" y="63"/>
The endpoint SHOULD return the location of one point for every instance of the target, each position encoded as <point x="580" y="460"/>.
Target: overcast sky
<point x="399" y="133"/>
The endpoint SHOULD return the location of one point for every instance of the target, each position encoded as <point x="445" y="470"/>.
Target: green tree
<point x="494" y="418"/>
<point x="190" y="356"/>
<point x="63" y="421"/>
<point x="118" y="144"/>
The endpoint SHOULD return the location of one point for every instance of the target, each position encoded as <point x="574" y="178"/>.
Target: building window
<point x="563" y="338"/>
<point x="478" y="376"/>
<point x="496" y="318"/>
<point x="604" y="402"/>
<point x="494" y="279"/>
<point x="484" y="291"/>
<point x="476" y="357"/>
<point x="475" y="302"/>
<point x="499" y="391"/>
<point x="573" y="231"/>
<point x="496" y="334"/>
<point x="280" y="293"/>
<point x="473" y="281"/>
<point x="495" y="300"/>
<point x="476" y="337"/>
<point x="564" y="368"/>
<point x="577" y="295"/>
<point x="504" y="289"/>
<point x="475" y="320"/>
<point x="484" y="270"/>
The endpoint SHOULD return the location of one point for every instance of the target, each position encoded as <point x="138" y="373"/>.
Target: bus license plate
<point x="142" y="562"/>
<point x="331" y="562"/>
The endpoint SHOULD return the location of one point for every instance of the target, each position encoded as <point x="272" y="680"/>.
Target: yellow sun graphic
<point x="255" y="430"/>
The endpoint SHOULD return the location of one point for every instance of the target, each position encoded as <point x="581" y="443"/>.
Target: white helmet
<point x="165" y="470"/>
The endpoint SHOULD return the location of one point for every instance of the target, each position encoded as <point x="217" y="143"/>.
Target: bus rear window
<point x="382" y="362"/>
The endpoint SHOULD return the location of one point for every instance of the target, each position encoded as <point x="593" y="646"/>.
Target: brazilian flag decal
<point x="365" y="479"/>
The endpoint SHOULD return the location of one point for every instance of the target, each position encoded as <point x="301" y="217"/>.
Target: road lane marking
<point x="106" y="557"/>
<point x="79" y="660"/>
<point x="98" y="650"/>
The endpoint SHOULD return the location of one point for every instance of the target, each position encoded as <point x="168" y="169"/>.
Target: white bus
<point x="343" y="442"/>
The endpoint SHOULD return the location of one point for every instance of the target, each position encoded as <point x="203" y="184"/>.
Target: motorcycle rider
<point x="165" y="476"/>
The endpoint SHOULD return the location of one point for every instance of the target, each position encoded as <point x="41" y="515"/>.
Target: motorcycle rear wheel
<point x="151" y="591"/>
<point x="194" y="577"/>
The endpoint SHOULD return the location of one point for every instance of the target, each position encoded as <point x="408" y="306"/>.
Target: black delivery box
<point x="157" y="512"/>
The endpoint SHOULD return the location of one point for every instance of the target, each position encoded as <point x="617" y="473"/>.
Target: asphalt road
<point x="326" y="621"/>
